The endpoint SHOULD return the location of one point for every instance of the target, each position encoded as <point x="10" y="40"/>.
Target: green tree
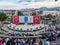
<point x="49" y="15"/>
<point x="20" y="13"/>
<point x="3" y="17"/>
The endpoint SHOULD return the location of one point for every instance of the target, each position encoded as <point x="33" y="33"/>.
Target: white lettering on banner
<point x="30" y="19"/>
<point x="36" y="19"/>
<point x="26" y="19"/>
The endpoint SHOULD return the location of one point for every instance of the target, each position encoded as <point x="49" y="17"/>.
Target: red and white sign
<point x="36" y="19"/>
<point x="15" y="19"/>
<point x="30" y="19"/>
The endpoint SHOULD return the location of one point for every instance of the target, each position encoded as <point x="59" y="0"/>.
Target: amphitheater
<point x="22" y="31"/>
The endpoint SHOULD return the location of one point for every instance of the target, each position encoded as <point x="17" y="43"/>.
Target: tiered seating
<point x="16" y="33"/>
<point x="3" y="33"/>
<point x="25" y="27"/>
<point x="20" y="30"/>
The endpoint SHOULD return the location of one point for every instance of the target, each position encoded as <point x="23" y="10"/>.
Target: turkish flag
<point x="15" y="19"/>
<point x="36" y="19"/>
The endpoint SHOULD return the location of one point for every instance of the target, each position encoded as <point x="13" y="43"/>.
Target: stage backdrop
<point x="26" y="19"/>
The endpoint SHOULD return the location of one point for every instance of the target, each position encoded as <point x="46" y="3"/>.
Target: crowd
<point x="26" y="27"/>
<point x="14" y="41"/>
<point x="21" y="34"/>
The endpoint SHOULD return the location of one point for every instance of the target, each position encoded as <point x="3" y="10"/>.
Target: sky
<point x="22" y="4"/>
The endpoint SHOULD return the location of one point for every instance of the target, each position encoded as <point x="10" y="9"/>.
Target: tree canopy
<point x="49" y="15"/>
<point x="3" y="16"/>
<point x="20" y="13"/>
<point x="34" y="13"/>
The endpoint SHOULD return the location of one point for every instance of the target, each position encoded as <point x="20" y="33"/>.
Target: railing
<point x="22" y="37"/>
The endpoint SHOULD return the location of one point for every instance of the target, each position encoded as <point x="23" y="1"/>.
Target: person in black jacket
<point x="40" y="43"/>
<point x="8" y="42"/>
<point x="12" y="41"/>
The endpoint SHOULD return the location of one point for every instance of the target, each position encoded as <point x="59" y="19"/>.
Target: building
<point x="38" y="12"/>
<point x="53" y="13"/>
<point x="9" y="13"/>
<point x="32" y="12"/>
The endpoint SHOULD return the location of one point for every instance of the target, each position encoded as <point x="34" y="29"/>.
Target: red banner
<point x="36" y="19"/>
<point x="15" y="19"/>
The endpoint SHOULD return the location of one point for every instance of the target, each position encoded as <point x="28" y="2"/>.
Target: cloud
<point x="43" y="4"/>
<point x="7" y="5"/>
<point x="23" y="5"/>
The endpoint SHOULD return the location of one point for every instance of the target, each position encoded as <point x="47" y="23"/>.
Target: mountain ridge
<point x="42" y="9"/>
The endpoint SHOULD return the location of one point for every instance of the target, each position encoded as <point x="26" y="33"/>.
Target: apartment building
<point x="9" y="13"/>
<point x="32" y="12"/>
<point x="38" y="12"/>
<point x="53" y="13"/>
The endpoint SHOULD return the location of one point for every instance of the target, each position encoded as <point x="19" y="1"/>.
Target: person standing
<point x="4" y="42"/>
<point x="40" y="42"/>
<point x="1" y="41"/>
<point x="8" y="42"/>
<point x="12" y="42"/>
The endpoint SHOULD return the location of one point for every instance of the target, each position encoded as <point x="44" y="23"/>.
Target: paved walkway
<point x="57" y="42"/>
